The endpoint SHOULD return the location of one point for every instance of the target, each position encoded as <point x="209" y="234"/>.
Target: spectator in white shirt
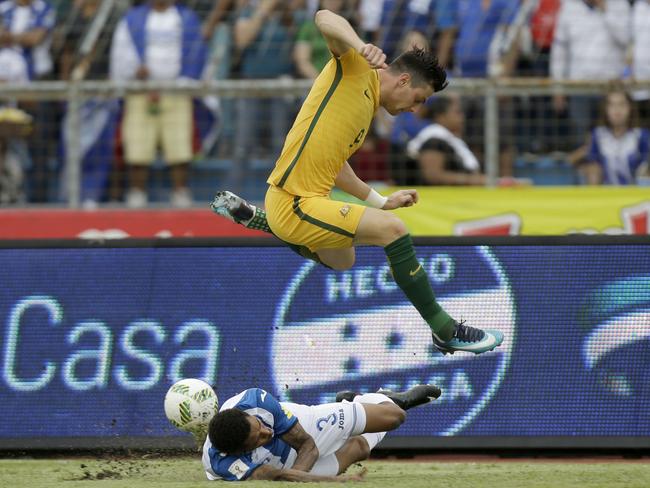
<point x="641" y="56"/>
<point x="158" y="41"/>
<point x="590" y="41"/>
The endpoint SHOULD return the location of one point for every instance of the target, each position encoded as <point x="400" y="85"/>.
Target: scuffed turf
<point x="186" y="472"/>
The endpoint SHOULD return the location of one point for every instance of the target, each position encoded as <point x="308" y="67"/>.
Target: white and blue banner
<point x="92" y="337"/>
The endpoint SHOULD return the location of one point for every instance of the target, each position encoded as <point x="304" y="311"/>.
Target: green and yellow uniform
<point x="331" y="125"/>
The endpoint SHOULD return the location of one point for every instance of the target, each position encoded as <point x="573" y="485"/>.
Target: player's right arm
<point x="340" y="37"/>
<point x="269" y="473"/>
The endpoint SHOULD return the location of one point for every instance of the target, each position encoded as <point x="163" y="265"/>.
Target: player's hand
<point x="401" y="198"/>
<point x="359" y="476"/>
<point x="375" y="56"/>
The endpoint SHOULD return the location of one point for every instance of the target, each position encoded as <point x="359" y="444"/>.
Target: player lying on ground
<point x="256" y="437"/>
<point x="331" y="125"/>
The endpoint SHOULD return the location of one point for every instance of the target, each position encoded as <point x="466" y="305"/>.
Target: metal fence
<point x="489" y="92"/>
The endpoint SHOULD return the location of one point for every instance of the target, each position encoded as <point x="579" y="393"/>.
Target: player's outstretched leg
<point x="382" y="228"/>
<point x="413" y="397"/>
<point x="239" y="211"/>
<point x="448" y="335"/>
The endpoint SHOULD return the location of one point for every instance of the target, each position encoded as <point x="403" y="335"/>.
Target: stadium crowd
<point x="602" y="139"/>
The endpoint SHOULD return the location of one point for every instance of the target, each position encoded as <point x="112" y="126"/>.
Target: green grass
<point x="186" y="472"/>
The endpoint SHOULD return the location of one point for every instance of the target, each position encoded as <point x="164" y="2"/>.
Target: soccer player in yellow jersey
<point x="330" y="126"/>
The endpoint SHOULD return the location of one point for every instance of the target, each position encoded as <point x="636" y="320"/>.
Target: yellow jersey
<point x="331" y="125"/>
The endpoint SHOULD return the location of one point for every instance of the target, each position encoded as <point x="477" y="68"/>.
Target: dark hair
<point x="437" y="107"/>
<point x="229" y="430"/>
<point x="423" y="67"/>
<point x="633" y="120"/>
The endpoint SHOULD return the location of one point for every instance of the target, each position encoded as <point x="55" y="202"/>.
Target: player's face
<point x="259" y="435"/>
<point x="406" y="97"/>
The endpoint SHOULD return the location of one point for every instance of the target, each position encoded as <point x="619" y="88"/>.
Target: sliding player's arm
<point x="269" y="473"/>
<point x="350" y="183"/>
<point x="340" y="37"/>
<point x="303" y="443"/>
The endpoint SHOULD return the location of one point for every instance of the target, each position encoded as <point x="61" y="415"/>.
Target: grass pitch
<point x="186" y="472"/>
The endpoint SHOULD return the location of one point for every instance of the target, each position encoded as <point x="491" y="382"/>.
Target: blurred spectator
<point x="370" y="161"/>
<point x="443" y="157"/>
<point x="310" y="52"/>
<point x="264" y="35"/>
<point x="542" y="30"/>
<point x="618" y="149"/>
<point x="221" y="64"/>
<point x="476" y="25"/>
<point x="14" y="126"/>
<point x="479" y="27"/>
<point x="98" y="116"/>
<point x="94" y="64"/>
<point x="28" y="29"/>
<point x="399" y="17"/>
<point x="641" y="56"/>
<point x="539" y="128"/>
<point x="590" y="41"/>
<point x="158" y="41"/>
<point x="405" y="126"/>
<point x="370" y="18"/>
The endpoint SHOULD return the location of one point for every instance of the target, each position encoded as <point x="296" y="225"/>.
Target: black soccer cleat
<point x="418" y="395"/>
<point x="414" y="397"/>
<point x="346" y="395"/>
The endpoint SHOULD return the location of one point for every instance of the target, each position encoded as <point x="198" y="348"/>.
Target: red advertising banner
<point x="115" y="224"/>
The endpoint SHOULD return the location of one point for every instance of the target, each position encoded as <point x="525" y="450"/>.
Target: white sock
<point x="373" y="438"/>
<point x="374" y="398"/>
<point x="326" y="466"/>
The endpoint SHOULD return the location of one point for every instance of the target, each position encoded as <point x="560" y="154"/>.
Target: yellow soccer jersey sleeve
<point x="331" y="125"/>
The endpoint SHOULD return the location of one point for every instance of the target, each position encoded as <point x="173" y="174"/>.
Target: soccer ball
<point x="190" y="404"/>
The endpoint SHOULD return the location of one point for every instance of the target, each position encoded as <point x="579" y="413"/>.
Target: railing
<point x="75" y="93"/>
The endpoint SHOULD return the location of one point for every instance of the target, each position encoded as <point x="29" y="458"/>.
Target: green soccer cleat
<point x="469" y="339"/>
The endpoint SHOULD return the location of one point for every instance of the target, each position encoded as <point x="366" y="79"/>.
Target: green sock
<point x="411" y="277"/>
<point x="259" y="222"/>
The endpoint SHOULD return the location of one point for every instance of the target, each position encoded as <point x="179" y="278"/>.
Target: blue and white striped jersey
<point x="619" y="157"/>
<point x="264" y="406"/>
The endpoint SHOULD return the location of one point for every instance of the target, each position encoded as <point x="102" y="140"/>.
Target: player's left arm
<point x="350" y="183"/>
<point x="341" y="36"/>
<point x="304" y="445"/>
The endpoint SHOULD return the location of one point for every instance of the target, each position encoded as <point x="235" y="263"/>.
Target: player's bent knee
<point x="395" y="415"/>
<point x="394" y="229"/>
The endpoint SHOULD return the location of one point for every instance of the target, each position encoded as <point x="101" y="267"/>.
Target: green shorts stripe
<point x="314" y="121"/>
<point x="323" y="225"/>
